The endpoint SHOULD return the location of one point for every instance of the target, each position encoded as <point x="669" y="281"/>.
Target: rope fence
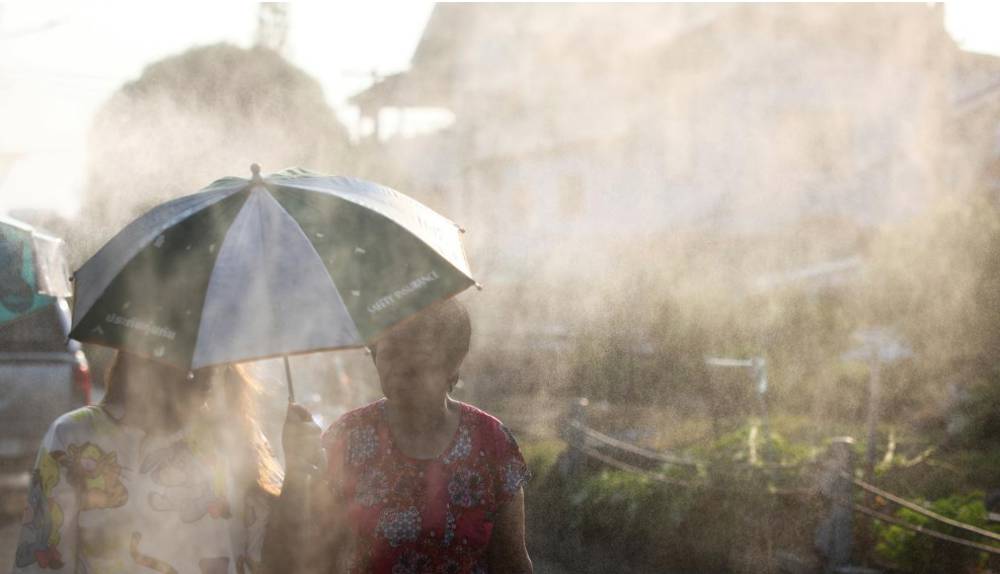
<point x="589" y="433"/>
<point x="611" y="461"/>
<point x="637" y="450"/>
<point x="925" y="531"/>
<point x="920" y="509"/>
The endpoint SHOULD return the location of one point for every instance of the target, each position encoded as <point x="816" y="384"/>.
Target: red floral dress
<point x="422" y="515"/>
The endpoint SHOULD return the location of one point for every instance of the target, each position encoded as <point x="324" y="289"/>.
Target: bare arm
<point x="507" y="552"/>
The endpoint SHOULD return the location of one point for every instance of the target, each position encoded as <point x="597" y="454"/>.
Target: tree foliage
<point x="192" y="118"/>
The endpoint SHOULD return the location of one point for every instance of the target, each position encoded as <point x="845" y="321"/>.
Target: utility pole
<point x="876" y="347"/>
<point x="272" y="26"/>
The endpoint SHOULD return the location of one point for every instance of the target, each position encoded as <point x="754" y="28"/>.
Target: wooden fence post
<point x="573" y="462"/>
<point x="835" y="536"/>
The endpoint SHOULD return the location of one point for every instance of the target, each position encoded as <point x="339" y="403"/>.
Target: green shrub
<point x="541" y="457"/>
<point x="724" y="515"/>
<point x="919" y="554"/>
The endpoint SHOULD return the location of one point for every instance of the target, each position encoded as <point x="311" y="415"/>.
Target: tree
<point x="195" y="117"/>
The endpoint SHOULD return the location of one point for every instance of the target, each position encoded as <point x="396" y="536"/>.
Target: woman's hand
<point x="300" y="441"/>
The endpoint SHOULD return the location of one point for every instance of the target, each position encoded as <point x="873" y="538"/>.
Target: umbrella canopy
<point x="32" y="270"/>
<point x="245" y="269"/>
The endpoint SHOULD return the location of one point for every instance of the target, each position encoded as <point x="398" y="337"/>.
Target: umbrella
<point x="32" y="270"/>
<point x="290" y="263"/>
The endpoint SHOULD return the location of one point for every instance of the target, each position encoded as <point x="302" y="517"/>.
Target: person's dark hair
<point x="444" y="326"/>
<point x="117" y="382"/>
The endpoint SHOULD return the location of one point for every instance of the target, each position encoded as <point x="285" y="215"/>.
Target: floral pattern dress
<point x="107" y="497"/>
<point x="422" y="515"/>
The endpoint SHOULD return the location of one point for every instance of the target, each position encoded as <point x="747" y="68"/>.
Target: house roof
<point x="976" y="78"/>
<point x="427" y="81"/>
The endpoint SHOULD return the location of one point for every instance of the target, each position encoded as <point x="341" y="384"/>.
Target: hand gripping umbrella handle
<point x="288" y="379"/>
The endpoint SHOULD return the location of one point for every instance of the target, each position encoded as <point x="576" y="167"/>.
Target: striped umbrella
<point x="290" y="263"/>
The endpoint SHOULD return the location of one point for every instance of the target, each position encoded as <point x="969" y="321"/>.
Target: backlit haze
<point x="60" y="60"/>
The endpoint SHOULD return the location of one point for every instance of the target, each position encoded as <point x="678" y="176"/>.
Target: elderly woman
<point x="422" y="482"/>
<point x="168" y="474"/>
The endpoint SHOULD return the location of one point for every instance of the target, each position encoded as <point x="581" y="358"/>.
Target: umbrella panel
<point x="153" y="306"/>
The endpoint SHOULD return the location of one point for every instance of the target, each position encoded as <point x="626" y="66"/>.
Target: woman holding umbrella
<point x="169" y="473"/>
<point x="421" y="482"/>
<point x="291" y="263"/>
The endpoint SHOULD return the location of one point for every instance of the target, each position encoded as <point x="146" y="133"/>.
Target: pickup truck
<point x="42" y="373"/>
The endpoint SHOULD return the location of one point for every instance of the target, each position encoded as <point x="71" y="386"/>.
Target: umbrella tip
<point x="479" y="286"/>
<point x="255" y="170"/>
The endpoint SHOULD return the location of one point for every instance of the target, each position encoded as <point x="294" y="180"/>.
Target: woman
<point x="421" y="482"/>
<point x="167" y="474"/>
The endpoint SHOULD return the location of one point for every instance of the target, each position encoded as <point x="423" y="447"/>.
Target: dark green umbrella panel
<point x="291" y="263"/>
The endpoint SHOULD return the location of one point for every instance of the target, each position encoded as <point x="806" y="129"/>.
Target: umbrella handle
<point x="288" y="379"/>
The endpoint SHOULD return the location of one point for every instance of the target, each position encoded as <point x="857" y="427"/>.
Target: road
<point x="8" y="542"/>
<point x="13" y="492"/>
<point x="10" y="529"/>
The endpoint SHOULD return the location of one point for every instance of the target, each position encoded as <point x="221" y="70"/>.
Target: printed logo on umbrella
<point x="139" y="325"/>
<point x="408" y="289"/>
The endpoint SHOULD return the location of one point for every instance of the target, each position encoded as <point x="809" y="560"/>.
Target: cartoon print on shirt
<point x="88" y="507"/>
<point x="148" y="561"/>
<point x="186" y="490"/>
<point x="103" y="549"/>
<point x="95" y="474"/>
<point x="42" y="518"/>
<point x="256" y="509"/>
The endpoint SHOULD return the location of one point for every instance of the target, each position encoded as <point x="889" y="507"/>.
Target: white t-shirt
<point x="107" y="497"/>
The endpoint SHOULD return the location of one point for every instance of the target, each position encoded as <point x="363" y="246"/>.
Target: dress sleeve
<point x="512" y="472"/>
<point x="48" y="527"/>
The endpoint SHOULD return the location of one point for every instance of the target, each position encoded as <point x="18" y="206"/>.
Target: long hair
<point x="239" y="391"/>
